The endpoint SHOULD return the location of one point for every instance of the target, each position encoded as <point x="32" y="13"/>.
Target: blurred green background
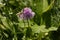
<point x="44" y="26"/>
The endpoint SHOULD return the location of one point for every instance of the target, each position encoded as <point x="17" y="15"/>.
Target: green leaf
<point x="2" y="27"/>
<point x="42" y="28"/>
<point x="53" y="28"/>
<point x="45" y="4"/>
<point x="48" y="6"/>
<point x="4" y="21"/>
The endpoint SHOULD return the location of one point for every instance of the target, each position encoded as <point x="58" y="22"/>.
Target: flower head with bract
<point x="26" y="13"/>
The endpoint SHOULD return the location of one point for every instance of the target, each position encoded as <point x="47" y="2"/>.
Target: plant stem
<point x="28" y="22"/>
<point x="24" y="23"/>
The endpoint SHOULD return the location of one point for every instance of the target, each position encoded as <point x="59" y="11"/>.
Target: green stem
<point x="28" y="22"/>
<point x="24" y="22"/>
<point x="15" y="34"/>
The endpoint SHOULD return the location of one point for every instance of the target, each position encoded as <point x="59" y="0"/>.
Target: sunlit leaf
<point x="2" y="27"/>
<point x="48" y="7"/>
<point x="4" y="21"/>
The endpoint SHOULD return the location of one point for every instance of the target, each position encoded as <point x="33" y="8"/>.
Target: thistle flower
<point x="26" y="13"/>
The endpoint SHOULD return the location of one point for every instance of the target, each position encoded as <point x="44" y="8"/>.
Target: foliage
<point x="45" y="23"/>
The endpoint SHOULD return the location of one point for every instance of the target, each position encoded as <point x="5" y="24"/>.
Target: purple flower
<point x="27" y="13"/>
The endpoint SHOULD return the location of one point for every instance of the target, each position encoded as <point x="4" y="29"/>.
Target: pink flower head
<point x="27" y="13"/>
